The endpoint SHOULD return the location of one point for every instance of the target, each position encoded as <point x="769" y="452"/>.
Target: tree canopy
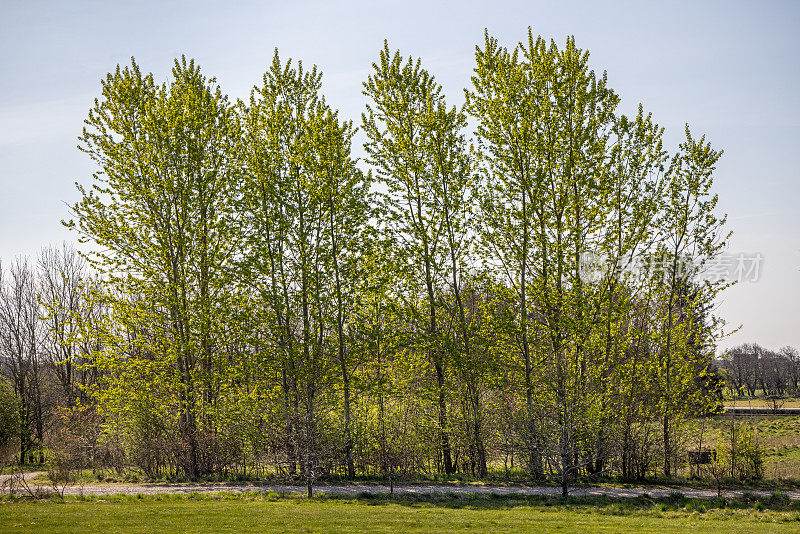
<point x="510" y="281"/>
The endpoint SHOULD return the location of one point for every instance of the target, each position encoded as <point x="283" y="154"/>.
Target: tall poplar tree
<point x="305" y="209"/>
<point x="692" y="234"/>
<point x="159" y="217"/>
<point x="415" y="144"/>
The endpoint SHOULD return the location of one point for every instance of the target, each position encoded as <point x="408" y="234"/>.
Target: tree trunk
<point x="444" y="437"/>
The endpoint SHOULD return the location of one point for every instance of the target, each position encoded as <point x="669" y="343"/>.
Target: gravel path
<point x="351" y="490"/>
<point x="26" y="476"/>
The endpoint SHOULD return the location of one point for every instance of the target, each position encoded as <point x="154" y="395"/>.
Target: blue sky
<point x="729" y="69"/>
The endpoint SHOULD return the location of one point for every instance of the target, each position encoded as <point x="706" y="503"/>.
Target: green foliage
<point x="161" y="214"/>
<point x="272" y="301"/>
<point x="9" y="413"/>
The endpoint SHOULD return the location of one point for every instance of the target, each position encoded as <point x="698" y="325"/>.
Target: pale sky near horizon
<point x="729" y="69"/>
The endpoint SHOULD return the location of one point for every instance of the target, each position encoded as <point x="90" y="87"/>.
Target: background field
<point x="778" y="437"/>
<point x="762" y="403"/>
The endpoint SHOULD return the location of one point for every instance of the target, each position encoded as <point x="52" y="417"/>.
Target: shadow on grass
<point x="675" y="501"/>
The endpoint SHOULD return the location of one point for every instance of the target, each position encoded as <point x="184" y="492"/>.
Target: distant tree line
<point x="48" y="366"/>
<point x="752" y="370"/>
<point x="264" y="300"/>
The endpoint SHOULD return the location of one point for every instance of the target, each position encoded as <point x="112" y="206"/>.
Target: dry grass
<point x="761" y="403"/>
<point x="778" y="437"/>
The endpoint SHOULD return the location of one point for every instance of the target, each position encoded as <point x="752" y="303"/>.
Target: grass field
<point x="256" y="513"/>
<point x="778" y="437"/>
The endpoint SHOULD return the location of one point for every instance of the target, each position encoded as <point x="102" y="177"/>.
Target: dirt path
<point x="352" y="490"/>
<point x="26" y="476"/>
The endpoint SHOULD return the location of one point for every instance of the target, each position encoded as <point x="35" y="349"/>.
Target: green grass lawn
<point x="165" y="514"/>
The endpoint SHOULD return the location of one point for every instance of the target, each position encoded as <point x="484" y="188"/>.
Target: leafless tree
<point x="20" y="339"/>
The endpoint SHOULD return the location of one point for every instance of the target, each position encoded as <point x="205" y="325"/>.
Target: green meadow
<point x="274" y="513"/>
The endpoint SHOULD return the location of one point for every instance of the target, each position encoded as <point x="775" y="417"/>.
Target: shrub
<point x="778" y="498"/>
<point x="676" y="497"/>
<point x="9" y="413"/>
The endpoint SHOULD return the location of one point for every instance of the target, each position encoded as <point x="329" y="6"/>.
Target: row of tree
<point x="46" y="366"/>
<point x="269" y="300"/>
<point x="752" y="370"/>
